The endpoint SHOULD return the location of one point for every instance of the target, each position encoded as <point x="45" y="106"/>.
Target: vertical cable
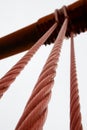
<point x="75" y="115"/>
<point x="35" y="112"/>
<point x="11" y="75"/>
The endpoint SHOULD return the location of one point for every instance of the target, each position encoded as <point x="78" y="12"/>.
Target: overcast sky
<point x="15" y="14"/>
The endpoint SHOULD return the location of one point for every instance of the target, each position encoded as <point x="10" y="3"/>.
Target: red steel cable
<point x="75" y="114"/>
<point x="11" y="75"/>
<point x="35" y="112"/>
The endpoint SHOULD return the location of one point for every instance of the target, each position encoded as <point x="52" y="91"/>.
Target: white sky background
<point x="15" y="14"/>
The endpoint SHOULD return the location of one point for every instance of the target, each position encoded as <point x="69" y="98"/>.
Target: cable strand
<point x="11" y="75"/>
<point x="41" y="94"/>
<point x="75" y="114"/>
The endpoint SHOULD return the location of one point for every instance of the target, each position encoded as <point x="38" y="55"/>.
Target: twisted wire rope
<point x="35" y="112"/>
<point x="11" y="75"/>
<point x="75" y="114"/>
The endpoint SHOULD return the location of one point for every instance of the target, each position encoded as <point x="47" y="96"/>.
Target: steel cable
<point x="11" y="75"/>
<point x="75" y="114"/>
<point x="35" y="112"/>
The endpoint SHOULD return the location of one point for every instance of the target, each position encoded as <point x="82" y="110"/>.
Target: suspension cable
<point x="11" y="75"/>
<point x="75" y="114"/>
<point x="35" y="112"/>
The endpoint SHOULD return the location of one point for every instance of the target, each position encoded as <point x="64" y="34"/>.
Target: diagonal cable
<point x="11" y="75"/>
<point x="35" y="112"/>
